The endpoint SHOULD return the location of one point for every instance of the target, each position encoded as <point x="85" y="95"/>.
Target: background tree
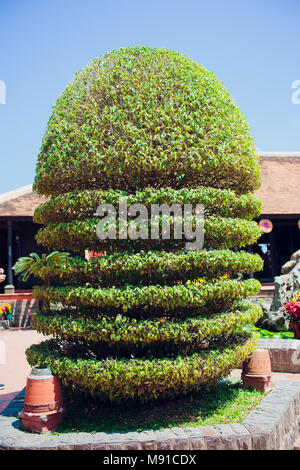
<point x="148" y="319"/>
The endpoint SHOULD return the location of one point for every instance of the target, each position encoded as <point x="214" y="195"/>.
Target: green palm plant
<point x="33" y="264"/>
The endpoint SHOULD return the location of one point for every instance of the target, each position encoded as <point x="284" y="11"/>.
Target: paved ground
<point x="14" y="369"/>
<point x="13" y="366"/>
<point x="276" y="376"/>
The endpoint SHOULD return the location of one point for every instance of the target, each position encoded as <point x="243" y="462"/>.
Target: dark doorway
<point x="276" y="248"/>
<point x="287" y="242"/>
<point x="3" y="255"/>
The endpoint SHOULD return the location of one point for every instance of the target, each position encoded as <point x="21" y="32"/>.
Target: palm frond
<point x="32" y="264"/>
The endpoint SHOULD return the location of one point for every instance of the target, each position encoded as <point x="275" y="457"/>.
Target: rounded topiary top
<point x="140" y="117"/>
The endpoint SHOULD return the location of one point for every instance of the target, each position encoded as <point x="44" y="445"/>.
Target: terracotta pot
<point x="261" y="382"/>
<point x="43" y="403"/>
<point x="40" y="423"/>
<point x="258" y="364"/>
<point x="257" y="371"/>
<point x="295" y="327"/>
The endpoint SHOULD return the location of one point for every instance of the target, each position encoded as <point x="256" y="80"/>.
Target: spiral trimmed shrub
<point x="147" y="319"/>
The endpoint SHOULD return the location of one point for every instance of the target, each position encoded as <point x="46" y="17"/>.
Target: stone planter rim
<point x="273" y="424"/>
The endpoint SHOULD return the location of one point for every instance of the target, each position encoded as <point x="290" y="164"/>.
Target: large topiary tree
<point x="147" y="319"/>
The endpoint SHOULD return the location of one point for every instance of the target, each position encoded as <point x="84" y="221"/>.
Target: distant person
<point x="2" y="276"/>
<point x="2" y="279"/>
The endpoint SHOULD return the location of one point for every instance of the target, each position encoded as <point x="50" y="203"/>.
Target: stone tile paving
<point x="5" y="400"/>
<point x="13" y="366"/>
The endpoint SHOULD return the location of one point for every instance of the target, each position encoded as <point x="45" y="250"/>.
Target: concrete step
<point x="267" y="290"/>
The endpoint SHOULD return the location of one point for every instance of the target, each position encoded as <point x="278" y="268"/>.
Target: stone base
<point x="9" y="289"/>
<point x="258" y="382"/>
<point x="41" y="423"/>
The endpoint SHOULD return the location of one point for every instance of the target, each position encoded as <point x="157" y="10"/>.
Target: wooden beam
<point x="9" y="253"/>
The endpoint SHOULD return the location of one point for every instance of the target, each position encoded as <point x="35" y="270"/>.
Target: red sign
<point x="93" y="254"/>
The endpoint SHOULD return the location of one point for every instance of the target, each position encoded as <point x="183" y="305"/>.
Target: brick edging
<point x="272" y="425"/>
<point x="284" y="354"/>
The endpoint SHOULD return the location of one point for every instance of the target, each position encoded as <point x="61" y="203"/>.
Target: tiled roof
<point x="279" y="192"/>
<point x="20" y="203"/>
<point x="280" y="189"/>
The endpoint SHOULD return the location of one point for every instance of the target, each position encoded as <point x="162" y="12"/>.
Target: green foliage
<point x="147" y="319"/>
<point x="34" y="264"/>
<point x="152" y="267"/>
<point x="81" y="234"/>
<point x="149" y="301"/>
<point x="272" y="334"/>
<point x="224" y="402"/>
<point x="155" y="336"/>
<point x="145" y="379"/>
<point x="139" y="117"/>
<point x="80" y="205"/>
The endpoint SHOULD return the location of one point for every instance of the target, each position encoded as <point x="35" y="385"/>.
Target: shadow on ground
<point x="223" y="403"/>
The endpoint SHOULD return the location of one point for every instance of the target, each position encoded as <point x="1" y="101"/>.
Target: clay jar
<point x="258" y="364"/>
<point x="43" y="404"/>
<point x="295" y="327"/>
<point x="257" y="371"/>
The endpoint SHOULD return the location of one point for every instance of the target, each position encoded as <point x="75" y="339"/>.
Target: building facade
<point x="280" y="195"/>
<point x="17" y="231"/>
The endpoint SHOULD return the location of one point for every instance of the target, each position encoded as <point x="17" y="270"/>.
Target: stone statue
<point x="286" y="287"/>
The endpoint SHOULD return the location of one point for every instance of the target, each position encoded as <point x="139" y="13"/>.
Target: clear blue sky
<point x="253" y="46"/>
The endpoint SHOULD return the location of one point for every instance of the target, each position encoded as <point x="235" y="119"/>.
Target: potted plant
<point x="9" y="313"/>
<point x="293" y="308"/>
<point x="6" y="312"/>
